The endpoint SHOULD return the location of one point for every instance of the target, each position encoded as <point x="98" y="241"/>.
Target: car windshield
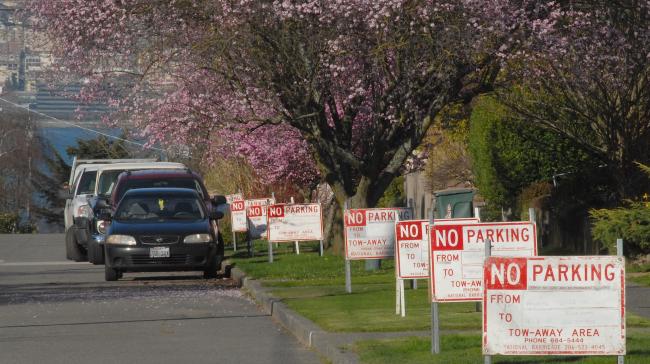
<point x="107" y="182"/>
<point x="87" y="183"/>
<point x="159" y="207"/>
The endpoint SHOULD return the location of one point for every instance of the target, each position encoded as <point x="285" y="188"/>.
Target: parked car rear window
<point x="87" y="183"/>
<point x="149" y="183"/>
<point x="156" y="208"/>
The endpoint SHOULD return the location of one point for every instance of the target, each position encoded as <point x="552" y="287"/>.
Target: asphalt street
<point x="57" y="311"/>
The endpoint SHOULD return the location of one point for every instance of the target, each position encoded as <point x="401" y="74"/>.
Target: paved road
<point x="56" y="311"/>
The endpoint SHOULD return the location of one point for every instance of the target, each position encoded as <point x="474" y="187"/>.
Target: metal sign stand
<point x="297" y="247"/>
<point x="400" y="301"/>
<point x="348" y="270"/>
<point x="488" y="251"/>
<point x="435" y="315"/>
<point x="477" y="214"/>
<point x="267" y="226"/>
<point x="234" y="241"/>
<point x="619" y="252"/>
<point x="248" y="238"/>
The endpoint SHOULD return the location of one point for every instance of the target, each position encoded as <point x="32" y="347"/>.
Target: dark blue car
<point x="162" y="229"/>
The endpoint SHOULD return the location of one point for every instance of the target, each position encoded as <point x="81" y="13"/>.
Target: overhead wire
<point x="76" y="125"/>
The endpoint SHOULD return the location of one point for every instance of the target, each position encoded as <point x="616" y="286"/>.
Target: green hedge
<point x="510" y="154"/>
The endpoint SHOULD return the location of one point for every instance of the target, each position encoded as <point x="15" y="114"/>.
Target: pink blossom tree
<point x="586" y="77"/>
<point x="341" y="90"/>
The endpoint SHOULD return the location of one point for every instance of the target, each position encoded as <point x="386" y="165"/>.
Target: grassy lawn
<point x="315" y="287"/>
<point x="467" y="349"/>
<point x="639" y="278"/>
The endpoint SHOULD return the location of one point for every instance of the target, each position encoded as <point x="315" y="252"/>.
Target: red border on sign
<point x="269" y="201"/>
<point x="560" y="352"/>
<point x="399" y="270"/>
<point x="432" y="283"/>
<point x="345" y="231"/>
<point x="322" y="232"/>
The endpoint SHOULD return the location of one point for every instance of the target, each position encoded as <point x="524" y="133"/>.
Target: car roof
<point x="151" y="165"/>
<point x="153" y="173"/>
<point x="161" y="191"/>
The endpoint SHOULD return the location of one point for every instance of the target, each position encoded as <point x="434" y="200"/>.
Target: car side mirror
<point x="105" y="215"/>
<point x="65" y="194"/>
<point x="216" y="215"/>
<point x="219" y="200"/>
<point x="101" y="204"/>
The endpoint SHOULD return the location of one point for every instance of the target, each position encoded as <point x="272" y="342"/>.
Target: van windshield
<point x="107" y="182"/>
<point x="87" y="183"/>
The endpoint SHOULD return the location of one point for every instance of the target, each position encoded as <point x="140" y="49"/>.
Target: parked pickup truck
<point x="87" y="179"/>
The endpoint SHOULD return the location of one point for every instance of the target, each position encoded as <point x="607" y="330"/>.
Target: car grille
<point x="174" y="259"/>
<point x="158" y="239"/>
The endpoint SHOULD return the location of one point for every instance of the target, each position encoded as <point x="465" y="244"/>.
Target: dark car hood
<point x="159" y="228"/>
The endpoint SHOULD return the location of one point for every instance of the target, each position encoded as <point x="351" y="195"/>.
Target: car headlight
<point x="102" y="225"/>
<point x="198" y="238"/>
<point x="84" y="211"/>
<point x="120" y="240"/>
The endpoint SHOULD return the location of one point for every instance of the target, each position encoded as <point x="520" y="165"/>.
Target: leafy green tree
<point x="47" y="182"/>
<point x="509" y="154"/>
<point x="100" y="148"/>
<point x="630" y="223"/>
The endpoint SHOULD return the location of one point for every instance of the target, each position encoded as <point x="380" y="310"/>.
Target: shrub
<point x="8" y="223"/>
<point x="631" y="223"/>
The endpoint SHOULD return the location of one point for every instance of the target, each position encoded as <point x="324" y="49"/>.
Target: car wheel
<point x="95" y="253"/>
<point x="211" y="269"/>
<point x="72" y="250"/>
<point x="110" y="274"/>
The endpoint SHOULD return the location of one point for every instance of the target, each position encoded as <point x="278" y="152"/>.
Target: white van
<point x="96" y="181"/>
<point x="81" y="184"/>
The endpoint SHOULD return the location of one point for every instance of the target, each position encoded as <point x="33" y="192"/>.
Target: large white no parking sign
<point x="554" y="306"/>
<point x="458" y="252"/>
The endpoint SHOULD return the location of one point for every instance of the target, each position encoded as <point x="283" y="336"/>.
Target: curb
<point x="307" y="332"/>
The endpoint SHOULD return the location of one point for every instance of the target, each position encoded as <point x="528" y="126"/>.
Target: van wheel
<point x="72" y="250"/>
<point x="95" y="253"/>
<point x="110" y="274"/>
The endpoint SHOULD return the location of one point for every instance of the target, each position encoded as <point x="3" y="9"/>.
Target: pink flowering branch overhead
<point x="342" y="90"/>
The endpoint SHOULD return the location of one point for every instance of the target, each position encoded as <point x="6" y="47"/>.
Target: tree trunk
<point x="364" y="197"/>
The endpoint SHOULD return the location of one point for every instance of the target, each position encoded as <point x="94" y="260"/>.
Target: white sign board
<point x="256" y="214"/>
<point x="370" y="233"/>
<point x="457" y="253"/>
<point x="554" y="306"/>
<point x="412" y="241"/>
<point x="238" y="216"/>
<point x="234" y="197"/>
<point x="295" y="222"/>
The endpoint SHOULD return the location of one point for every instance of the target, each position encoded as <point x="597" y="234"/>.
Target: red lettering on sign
<point x="254" y="211"/>
<point x="446" y="237"/>
<point x="276" y="211"/>
<point x="506" y="273"/>
<point x="237" y="206"/>
<point x="355" y="218"/>
<point x="409" y="230"/>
